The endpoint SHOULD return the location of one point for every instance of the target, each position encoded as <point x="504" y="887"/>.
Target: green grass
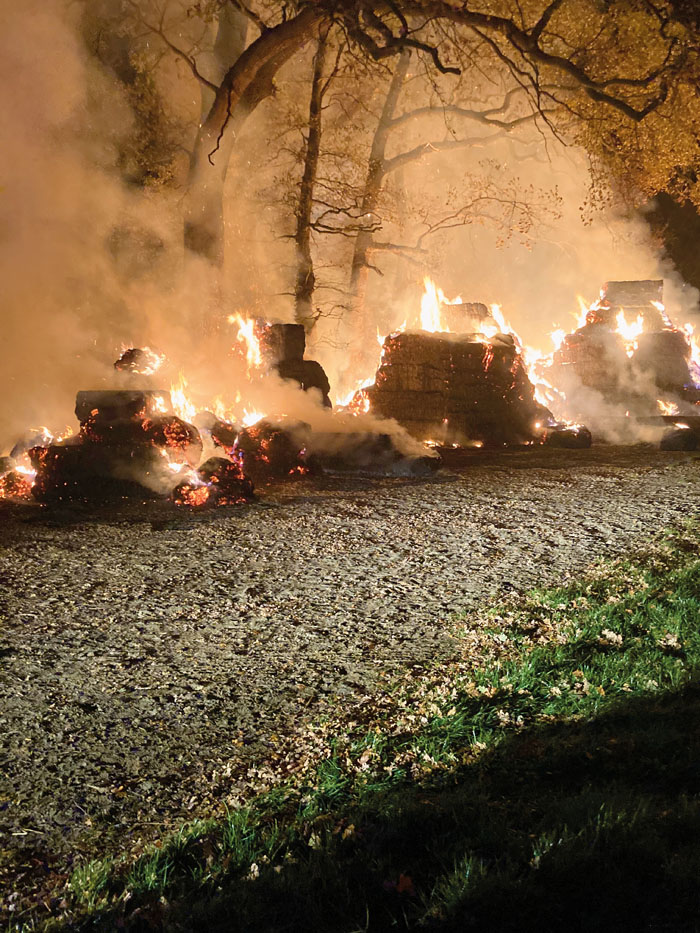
<point x="547" y="780"/>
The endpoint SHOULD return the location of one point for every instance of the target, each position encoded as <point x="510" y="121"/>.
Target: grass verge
<point x="548" y="779"/>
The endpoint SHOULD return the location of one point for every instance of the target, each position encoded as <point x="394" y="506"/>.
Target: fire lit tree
<point x="356" y="195"/>
<point x="616" y="74"/>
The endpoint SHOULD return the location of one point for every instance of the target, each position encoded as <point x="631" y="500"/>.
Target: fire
<point x="430" y="317"/>
<point x="694" y="362"/>
<point x="667" y="408"/>
<point x="344" y="400"/>
<point x="247" y="336"/>
<point x="182" y="406"/>
<point x="661" y="307"/>
<point x="583" y="310"/>
<point x="557" y="337"/>
<point x="430" y="307"/>
<point x="629" y="332"/>
<point x="251" y="417"/>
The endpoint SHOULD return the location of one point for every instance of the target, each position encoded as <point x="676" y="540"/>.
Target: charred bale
<point x="465" y="317"/>
<point x="89" y="472"/>
<point x="598" y="357"/>
<point x="281" y="343"/>
<point x="679" y="439"/>
<point x="308" y="374"/>
<point x="361" y="451"/>
<point x="224" y="434"/>
<point x="110" y="405"/>
<point x="181" y="440"/>
<point x="569" y="436"/>
<point x="268" y="451"/>
<point x="633" y="294"/>
<point x="229" y="484"/>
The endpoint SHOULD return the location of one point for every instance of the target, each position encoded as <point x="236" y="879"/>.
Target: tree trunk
<point x="373" y="187"/>
<point x="247" y="82"/>
<point x="305" y="279"/>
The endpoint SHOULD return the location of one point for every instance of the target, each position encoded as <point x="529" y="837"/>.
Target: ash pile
<point x="454" y="388"/>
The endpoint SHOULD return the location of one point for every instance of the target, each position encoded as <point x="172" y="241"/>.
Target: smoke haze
<point x="89" y="263"/>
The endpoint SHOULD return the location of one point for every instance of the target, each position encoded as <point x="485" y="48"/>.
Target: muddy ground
<point x="147" y="653"/>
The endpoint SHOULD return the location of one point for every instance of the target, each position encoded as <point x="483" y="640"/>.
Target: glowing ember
<point x="191" y="495"/>
<point x="141" y="361"/>
<point x="17" y="483"/>
<point x="359" y="404"/>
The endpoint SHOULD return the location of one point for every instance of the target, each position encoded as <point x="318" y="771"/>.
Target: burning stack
<point x="462" y="379"/>
<point x="130" y="444"/>
<point x="453" y="388"/>
<point x="621" y="360"/>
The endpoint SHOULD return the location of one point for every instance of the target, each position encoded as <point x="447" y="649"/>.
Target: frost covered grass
<point x="545" y="779"/>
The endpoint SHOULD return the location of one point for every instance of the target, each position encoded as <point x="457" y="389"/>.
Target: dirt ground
<point x="147" y="654"/>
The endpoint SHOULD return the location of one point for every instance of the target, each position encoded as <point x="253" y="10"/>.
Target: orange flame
<point x="246" y="336"/>
<point x="667" y="408"/>
<point x="182" y="405"/>
<point x="629" y="332"/>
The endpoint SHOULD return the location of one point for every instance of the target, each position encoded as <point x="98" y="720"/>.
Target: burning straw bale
<point x="181" y="440"/>
<point x="125" y="448"/>
<point x="455" y="387"/>
<point x="272" y="451"/>
<point x="219" y="481"/>
<point x="15" y="485"/>
<point x="627" y="363"/>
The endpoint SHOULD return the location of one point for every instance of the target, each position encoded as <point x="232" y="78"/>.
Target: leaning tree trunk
<point x="247" y="82"/>
<point x="376" y="171"/>
<point x="305" y="278"/>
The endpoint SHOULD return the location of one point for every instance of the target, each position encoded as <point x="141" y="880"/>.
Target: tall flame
<point x="182" y="405"/>
<point x="246" y="336"/>
<point x="430" y="307"/>
<point x="629" y="332"/>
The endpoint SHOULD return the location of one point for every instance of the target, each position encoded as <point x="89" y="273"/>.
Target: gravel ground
<point x="145" y="653"/>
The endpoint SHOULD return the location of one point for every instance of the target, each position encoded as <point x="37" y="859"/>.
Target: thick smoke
<point x="89" y="262"/>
